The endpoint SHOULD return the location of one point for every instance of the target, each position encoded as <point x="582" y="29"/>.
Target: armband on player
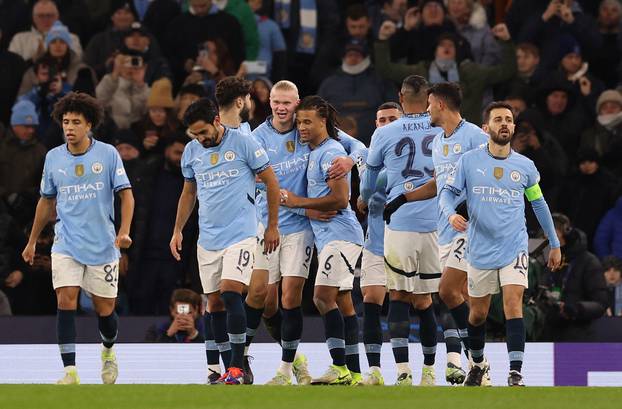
<point x="533" y="193"/>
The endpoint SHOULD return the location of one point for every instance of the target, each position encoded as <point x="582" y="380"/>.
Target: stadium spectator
<point x="21" y="162"/>
<point x="356" y="90"/>
<point x="260" y="97"/>
<point x="558" y="19"/>
<point x="156" y="15"/>
<point x="139" y="43"/>
<point x="606" y="134"/>
<point x="203" y="21"/>
<point x="186" y="96"/>
<point x="578" y="293"/>
<point x="389" y="10"/>
<point x="244" y="14"/>
<point x="529" y="74"/>
<point x="159" y="274"/>
<point x="613" y="277"/>
<point x="30" y="45"/>
<point x="12" y="69"/>
<point x="588" y="194"/>
<point x="469" y="18"/>
<point x="518" y="104"/>
<point x="213" y="63"/>
<point x="185" y="324"/>
<point x="272" y="49"/>
<point x="124" y="92"/>
<point x="603" y="59"/>
<point x="447" y="66"/>
<point x="330" y="53"/>
<point x="563" y="116"/>
<point x="61" y="57"/>
<point x="416" y="40"/>
<point x="159" y="123"/>
<point x="531" y="140"/>
<point x="608" y="238"/>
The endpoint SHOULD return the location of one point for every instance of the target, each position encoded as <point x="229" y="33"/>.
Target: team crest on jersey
<point x="229" y="156"/>
<point x="97" y="168"/>
<point x="79" y="170"/>
<point x="213" y="159"/>
<point x="409" y="186"/>
<point x="498" y="173"/>
<point x="457" y="148"/>
<point x="291" y="146"/>
<point x="445" y="150"/>
<point x="515" y="176"/>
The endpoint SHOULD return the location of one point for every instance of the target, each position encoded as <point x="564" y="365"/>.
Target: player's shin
<point x="236" y="326"/>
<point x="372" y="333"/>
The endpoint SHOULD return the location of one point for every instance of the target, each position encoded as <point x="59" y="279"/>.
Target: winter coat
<point x="125" y="101"/>
<point x="608" y="238"/>
<point x="29" y="81"/>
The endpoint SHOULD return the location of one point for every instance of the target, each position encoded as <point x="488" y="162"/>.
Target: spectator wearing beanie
<point x="606" y="134"/>
<point x="30" y="44"/>
<point x="21" y="160"/>
<point x="159" y="123"/>
<point x="59" y="53"/>
<point x="589" y="193"/>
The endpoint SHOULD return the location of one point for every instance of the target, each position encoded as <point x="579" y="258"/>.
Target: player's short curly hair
<point x="79" y="103"/>
<point x="230" y="88"/>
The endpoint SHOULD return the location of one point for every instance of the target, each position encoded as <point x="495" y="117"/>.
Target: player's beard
<point x="500" y="140"/>
<point x="245" y="114"/>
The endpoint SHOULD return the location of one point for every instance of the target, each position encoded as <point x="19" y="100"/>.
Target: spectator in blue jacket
<point x="608" y="238"/>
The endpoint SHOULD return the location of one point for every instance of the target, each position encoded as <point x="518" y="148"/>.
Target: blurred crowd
<point x="558" y="63"/>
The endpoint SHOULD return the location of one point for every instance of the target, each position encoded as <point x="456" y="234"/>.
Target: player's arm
<point x="45" y="208"/>
<point x="456" y="183"/>
<point x="184" y="210"/>
<point x="356" y="151"/>
<point x="543" y="214"/>
<point x="424" y="192"/>
<point x="337" y="199"/>
<point x="271" y="235"/>
<point x="369" y="179"/>
<point x="123" y="240"/>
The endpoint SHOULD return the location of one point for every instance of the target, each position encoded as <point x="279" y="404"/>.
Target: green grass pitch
<point x="252" y="397"/>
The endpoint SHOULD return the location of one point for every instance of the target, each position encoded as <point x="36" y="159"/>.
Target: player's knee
<point x="323" y="303"/>
<point x="450" y="296"/>
<point x="422" y="302"/>
<point x="257" y="295"/>
<point x="66" y="300"/>
<point x="215" y="303"/>
<point x="291" y="300"/>
<point x="477" y="316"/>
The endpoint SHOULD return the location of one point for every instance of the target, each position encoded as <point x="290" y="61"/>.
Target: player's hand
<point x="458" y="222"/>
<point x="340" y="167"/>
<point x="271" y="239"/>
<point x="29" y="253"/>
<point x="555" y="259"/>
<point x="361" y="205"/>
<point x="175" y="245"/>
<point x="387" y="29"/>
<point x="501" y="32"/>
<point x="123" y="241"/>
<point x="288" y="199"/>
<point x="320" y="215"/>
<point x="392" y="207"/>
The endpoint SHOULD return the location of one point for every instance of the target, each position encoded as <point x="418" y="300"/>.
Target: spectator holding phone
<point x="185" y="324"/>
<point x="213" y="63"/>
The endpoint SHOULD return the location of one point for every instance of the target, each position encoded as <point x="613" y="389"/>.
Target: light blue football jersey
<point x="446" y="150"/>
<point x="344" y="226"/>
<point x="84" y="187"/>
<point x="494" y="190"/>
<point x="289" y="158"/>
<point x="225" y="178"/>
<point x="374" y="240"/>
<point x="404" y="148"/>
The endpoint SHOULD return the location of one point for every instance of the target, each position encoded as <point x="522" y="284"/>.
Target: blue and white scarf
<point x="449" y="72"/>
<point x="307" y="38"/>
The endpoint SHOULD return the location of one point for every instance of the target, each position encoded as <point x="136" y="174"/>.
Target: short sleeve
<point x="186" y="167"/>
<point x="456" y="178"/>
<point x="533" y="176"/>
<point x="255" y="154"/>
<point x="326" y="161"/>
<point x="118" y="176"/>
<point x="48" y="187"/>
<point x="481" y="138"/>
<point x="374" y="155"/>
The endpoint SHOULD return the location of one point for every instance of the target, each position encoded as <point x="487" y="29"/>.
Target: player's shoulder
<point x="103" y="147"/>
<point x="56" y="152"/>
<point x="522" y="160"/>
<point x="333" y="146"/>
<point x="478" y="153"/>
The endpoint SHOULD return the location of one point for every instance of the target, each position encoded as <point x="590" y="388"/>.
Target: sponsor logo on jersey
<point x="213" y="159"/>
<point x="229" y="156"/>
<point x="79" y="170"/>
<point x="498" y="173"/>
<point x="97" y="168"/>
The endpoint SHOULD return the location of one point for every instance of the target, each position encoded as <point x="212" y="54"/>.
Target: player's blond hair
<point x="285" y="85"/>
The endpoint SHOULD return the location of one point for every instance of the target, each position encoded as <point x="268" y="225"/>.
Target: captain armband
<point x="533" y="193"/>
